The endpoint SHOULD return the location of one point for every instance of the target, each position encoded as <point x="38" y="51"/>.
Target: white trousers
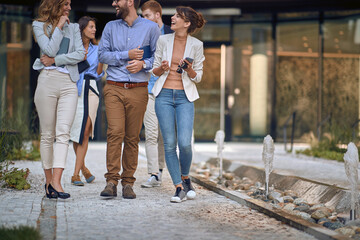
<point x="154" y="145"/>
<point x="55" y="101"/>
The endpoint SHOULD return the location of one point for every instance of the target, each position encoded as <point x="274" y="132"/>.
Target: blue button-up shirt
<point x="92" y="58"/>
<point x="116" y="41"/>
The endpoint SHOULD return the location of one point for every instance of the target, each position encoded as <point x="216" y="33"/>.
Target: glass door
<point x="249" y="94"/>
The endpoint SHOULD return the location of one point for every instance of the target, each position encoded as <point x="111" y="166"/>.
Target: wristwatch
<point x="144" y="64"/>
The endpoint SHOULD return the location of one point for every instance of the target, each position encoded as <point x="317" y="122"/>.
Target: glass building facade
<point x="278" y="64"/>
<point x="275" y="64"/>
<point x="15" y="62"/>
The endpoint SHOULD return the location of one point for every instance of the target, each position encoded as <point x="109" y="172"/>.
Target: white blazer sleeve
<point x="198" y="62"/>
<point x="158" y="58"/>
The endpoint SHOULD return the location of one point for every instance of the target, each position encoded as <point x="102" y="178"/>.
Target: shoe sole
<point x="51" y="198"/>
<point x="177" y="200"/>
<point x="108" y="196"/>
<point x="149" y="186"/>
<point x="78" y="184"/>
<point x="63" y="198"/>
<point x="129" y="197"/>
<point x="90" y="181"/>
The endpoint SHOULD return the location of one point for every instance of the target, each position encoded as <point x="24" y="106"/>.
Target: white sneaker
<point x="189" y="189"/>
<point x="151" y="182"/>
<point x="179" y="196"/>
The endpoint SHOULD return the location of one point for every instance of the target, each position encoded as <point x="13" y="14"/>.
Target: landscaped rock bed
<point x="287" y="200"/>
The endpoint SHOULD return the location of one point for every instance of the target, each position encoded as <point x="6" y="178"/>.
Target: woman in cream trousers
<point x="56" y="92"/>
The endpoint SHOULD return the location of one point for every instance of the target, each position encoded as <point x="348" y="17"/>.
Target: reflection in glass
<point x="297" y="75"/>
<point x="341" y="71"/>
<point x="250" y="51"/>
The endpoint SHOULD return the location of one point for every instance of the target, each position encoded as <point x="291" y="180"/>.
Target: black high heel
<point x="54" y="193"/>
<point x="48" y="195"/>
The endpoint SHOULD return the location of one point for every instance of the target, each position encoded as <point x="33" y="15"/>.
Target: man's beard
<point x="123" y="13"/>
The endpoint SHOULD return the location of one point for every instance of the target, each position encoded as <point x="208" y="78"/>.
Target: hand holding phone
<point x="184" y="65"/>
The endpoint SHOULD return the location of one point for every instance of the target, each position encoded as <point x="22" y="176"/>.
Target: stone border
<point x="47" y="218"/>
<point x="313" y="229"/>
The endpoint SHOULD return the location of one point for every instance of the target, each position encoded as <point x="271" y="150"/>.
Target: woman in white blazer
<point x="175" y="93"/>
<point x="56" y="92"/>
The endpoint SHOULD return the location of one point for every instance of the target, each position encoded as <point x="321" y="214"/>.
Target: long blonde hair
<point x="50" y="12"/>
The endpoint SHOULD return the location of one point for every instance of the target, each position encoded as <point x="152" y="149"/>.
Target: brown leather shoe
<point x="109" y="191"/>
<point x="127" y="192"/>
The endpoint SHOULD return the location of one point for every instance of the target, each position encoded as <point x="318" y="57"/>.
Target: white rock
<point x="289" y="207"/>
<point x="300" y="200"/>
<point x="288" y="199"/>
<point x="317" y="206"/>
<point x="346" y="231"/>
<point x="303" y="215"/>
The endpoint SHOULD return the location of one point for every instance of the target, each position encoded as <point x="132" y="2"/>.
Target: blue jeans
<point x="176" y="119"/>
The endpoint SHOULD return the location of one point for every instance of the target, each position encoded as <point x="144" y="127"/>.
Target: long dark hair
<point x="196" y="19"/>
<point x="83" y="22"/>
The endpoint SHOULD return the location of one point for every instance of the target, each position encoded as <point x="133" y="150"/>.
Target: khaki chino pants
<point x="154" y="145"/>
<point x="125" y="110"/>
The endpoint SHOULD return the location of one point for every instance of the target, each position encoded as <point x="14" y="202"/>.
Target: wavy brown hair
<point x="50" y="12"/>
<point x="83" y="23"/>
<point x="196" y="19"/>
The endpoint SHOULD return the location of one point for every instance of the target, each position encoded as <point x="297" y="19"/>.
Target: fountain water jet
<point x="219" y="139"/>
<point x="351" y="160"/>
<point x="268" y="158"/>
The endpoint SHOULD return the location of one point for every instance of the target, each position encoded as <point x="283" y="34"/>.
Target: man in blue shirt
<point x="154" y="145"/>
<point x="125" y="93"/>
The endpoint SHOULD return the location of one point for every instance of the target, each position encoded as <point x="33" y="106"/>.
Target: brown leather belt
<point x="127" y="85"/>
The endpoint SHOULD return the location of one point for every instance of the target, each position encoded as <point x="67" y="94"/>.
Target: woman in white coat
<point x="179" y="64"/>
<point x="56" y="92"/>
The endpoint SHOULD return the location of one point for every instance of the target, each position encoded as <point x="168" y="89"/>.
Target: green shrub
<point x="14" y="131"/>
<point x="3" y="153"/>
<point x="25" y="154"/>
<point x="19" y="233"/>
<point x="328" y="147"/>
<point x="15" y="178"/>
<point x="10" y="140"/>
<point x="322" y="153"/>
<point x="337" y="134"/>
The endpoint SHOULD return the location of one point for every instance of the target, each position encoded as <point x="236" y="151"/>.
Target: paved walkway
<point x="150" y="216"/>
